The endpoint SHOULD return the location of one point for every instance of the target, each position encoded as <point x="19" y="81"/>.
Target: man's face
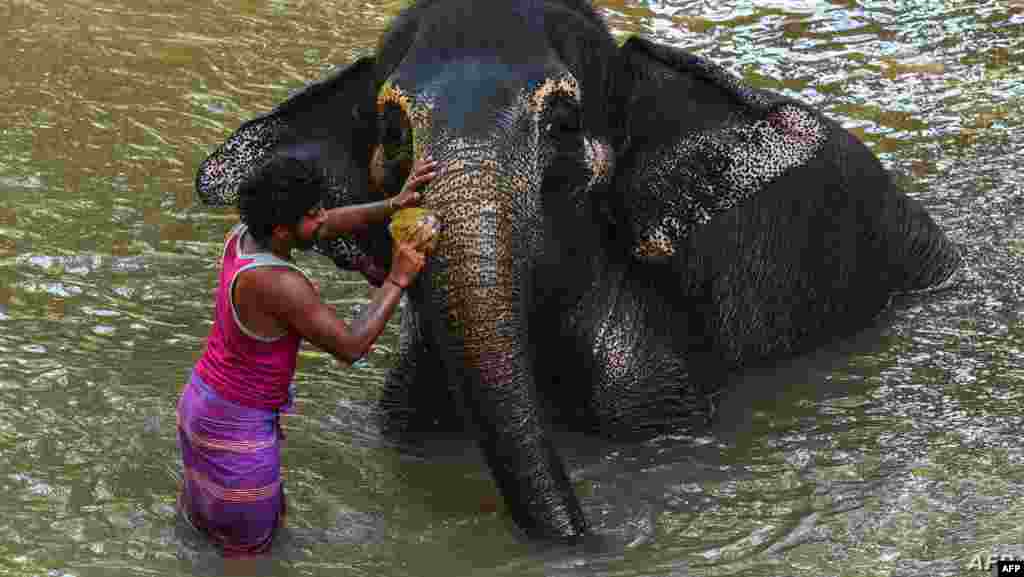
<point x="307" y="230"/>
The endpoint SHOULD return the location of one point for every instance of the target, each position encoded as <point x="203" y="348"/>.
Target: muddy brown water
<point x="895" y="452"/>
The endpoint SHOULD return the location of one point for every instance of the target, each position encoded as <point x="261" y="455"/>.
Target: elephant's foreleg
<point x="661" y="394"/>
<point x="647" y="374"/>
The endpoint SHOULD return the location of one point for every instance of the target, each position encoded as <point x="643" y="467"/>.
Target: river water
<point x="895" y="452"/>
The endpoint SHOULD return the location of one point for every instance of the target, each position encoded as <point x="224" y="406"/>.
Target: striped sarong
<point x="231" y="488"/>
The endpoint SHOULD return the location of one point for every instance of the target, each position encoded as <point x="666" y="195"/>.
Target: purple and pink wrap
<point x="232" y="488"/>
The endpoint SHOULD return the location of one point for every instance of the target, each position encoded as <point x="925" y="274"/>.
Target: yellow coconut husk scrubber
<point x="416" y="224"/>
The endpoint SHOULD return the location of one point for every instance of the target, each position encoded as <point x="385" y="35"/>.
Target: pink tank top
<point x="240" y="365"/>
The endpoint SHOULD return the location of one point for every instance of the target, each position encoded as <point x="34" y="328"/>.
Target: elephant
<point x="624" y="225"/>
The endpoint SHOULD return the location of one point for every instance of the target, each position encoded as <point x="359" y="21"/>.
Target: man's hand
<point x="422" y="173"/>
<point x="407" y="260"/>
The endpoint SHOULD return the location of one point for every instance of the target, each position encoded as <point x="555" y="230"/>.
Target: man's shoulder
<point x="274" y="285"/>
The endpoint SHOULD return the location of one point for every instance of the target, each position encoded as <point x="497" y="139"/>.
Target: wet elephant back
<point x="793" y="267"/>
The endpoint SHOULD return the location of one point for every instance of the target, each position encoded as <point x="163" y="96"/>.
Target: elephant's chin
<point x="374" y="273"/>
<point x="372" y="269"/>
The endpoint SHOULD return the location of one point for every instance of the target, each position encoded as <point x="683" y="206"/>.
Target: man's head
<point x="280" y="193"/>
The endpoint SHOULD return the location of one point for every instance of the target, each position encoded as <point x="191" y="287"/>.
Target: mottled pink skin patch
<point x="601" y="160"/>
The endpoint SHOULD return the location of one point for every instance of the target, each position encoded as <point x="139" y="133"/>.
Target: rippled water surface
<point x="897" y="452"/>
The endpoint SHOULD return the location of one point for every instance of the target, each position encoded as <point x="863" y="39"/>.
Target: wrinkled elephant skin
<point x="623" y="225"/>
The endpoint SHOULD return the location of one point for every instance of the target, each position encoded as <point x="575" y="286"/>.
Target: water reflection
<point x="896" y="452"/>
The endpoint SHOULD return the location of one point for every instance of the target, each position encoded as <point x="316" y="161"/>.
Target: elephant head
<point x="522" y="120"/>
<point x="572" y="170"/>
<point x="330" y="123"/>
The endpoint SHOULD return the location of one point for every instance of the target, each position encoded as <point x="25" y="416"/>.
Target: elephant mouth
<point x="372" y="268"/>
<point x="350" y="253"/>
<point x="374" y="273"/>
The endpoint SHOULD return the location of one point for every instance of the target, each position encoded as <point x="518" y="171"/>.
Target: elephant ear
<point x="322" y="122"/>
<point x="329" y="123"/>
<point x="701" y="142"/>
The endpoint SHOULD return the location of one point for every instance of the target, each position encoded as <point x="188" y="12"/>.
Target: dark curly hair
<point x="280" y="191"/>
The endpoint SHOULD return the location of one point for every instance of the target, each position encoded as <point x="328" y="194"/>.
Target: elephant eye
<point x="395" y="133"/>
<point x="562" y="118"/>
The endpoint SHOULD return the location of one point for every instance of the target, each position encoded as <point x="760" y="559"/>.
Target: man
<point x="228" y="426"/>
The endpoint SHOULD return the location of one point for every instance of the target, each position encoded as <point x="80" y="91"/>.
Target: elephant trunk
<point x="478" y="285"/>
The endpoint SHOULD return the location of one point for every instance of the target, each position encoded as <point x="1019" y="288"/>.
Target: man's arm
<point x="293" y="301"/>
<point x="290" y="298"/>
<point x="344" y="219"/>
